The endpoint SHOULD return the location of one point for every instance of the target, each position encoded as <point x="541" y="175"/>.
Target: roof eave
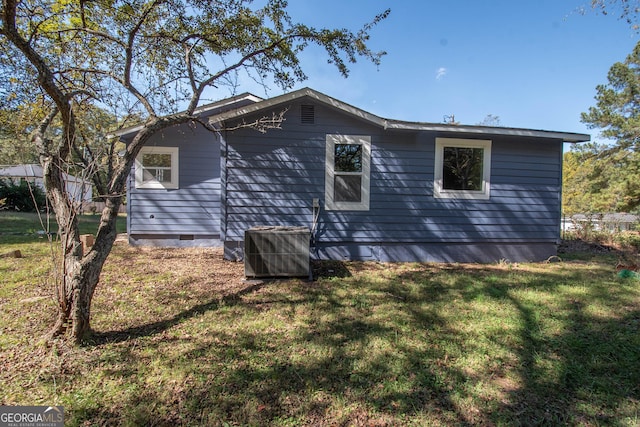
<point x="293" y="96"/>
<point x="394" y="124"/>
<point x="200" y="110"/>
<point x="485" y="130"/>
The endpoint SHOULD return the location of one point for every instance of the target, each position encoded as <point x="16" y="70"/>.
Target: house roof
<point x="205" y="110"/>
<point x="391" y="123"/>
<point x="32" y="171"/>
<point x="22" y="171"/>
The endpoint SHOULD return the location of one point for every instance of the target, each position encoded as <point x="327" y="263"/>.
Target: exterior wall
<point x="189" y="215"/>
<point x="272" y="178"/>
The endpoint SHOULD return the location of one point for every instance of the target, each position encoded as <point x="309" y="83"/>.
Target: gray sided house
<point x="368" y="188"/>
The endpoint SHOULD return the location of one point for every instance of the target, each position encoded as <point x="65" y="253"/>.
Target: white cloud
<point x="441" y="72"/>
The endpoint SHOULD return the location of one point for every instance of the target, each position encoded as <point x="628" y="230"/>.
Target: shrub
<point x="22" y="197"/>
<point x="628" y="239"/>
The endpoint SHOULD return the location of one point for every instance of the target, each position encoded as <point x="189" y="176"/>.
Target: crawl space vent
<point x="307" y="114"/>
<point x="276" y="251"/>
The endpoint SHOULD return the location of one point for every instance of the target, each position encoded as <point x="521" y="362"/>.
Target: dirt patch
<point x="207" y="268"/>
<point x="200" y="270"/>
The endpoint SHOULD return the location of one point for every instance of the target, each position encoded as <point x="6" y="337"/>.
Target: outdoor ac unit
<point x="276" y="251"/>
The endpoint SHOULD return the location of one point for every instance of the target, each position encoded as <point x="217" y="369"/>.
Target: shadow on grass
<point x="99" y="338"/>
<point x="351" y="352"/>
<point x="276" y="379"/>
<point x="587" y="374"/>
<point x="326" y="269"/>
<point x="597" y="373"/>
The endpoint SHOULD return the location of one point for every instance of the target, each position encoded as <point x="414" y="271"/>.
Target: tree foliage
<point x="617" y="114"/>
<point x="629" y="10"/>
<point x="617" y="109"/>
<point x="144" y="61"/>
<point x="606" y="177"/>
<point x="18" y="123"/>
<point x="597" y="179"/>
<point x="22" y="196"/>
<point x="490" y="120"/>
<point x="14" y="139"/>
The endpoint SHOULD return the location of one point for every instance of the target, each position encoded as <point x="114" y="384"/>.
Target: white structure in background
<point x="79" y="189"/>
<point x="608" y="222"/>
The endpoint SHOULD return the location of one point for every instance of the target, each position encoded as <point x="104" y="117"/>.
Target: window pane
<point x="462" y="168"/>
<point x="348" y="158"/>
<point x="347" y="188"/>
<point x="158" y="174"/>
<point x="150" y="160"/>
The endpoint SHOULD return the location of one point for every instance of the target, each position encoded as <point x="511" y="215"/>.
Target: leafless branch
<point x="262" y="124"/>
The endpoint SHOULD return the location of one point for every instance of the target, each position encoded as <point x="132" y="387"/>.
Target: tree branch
<point x="262" y="124"/>
<point x="128" y="63"/>
<point x="209" y="81"/>
<point x="45" y="76"/>
<point x="38" y="135"/>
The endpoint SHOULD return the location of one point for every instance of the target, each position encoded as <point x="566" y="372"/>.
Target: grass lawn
<point x="182" y="340"/>
<point x="23" y="227"/>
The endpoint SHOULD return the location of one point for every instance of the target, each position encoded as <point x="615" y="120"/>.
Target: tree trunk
<point x="75" y="293"/>
<point x="81" y="273"/>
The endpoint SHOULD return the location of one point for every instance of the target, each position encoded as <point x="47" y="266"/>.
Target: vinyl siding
<point x="272" y="178"/>
<point x="192" y="209"/>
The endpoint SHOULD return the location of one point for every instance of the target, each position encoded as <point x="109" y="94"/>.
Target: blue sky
<point x="534" y="64"/>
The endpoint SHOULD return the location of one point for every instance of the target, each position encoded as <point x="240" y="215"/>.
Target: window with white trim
<point x="462" y="168"/>
<point x="157" y="167"/>
<point x="348" y="166"/>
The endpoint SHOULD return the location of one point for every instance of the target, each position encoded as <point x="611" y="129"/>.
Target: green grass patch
<point x="182" y="340"/>
<point x="25" y="227"/>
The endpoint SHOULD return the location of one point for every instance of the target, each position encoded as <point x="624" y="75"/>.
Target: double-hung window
<point x="157" y="167"/>
<point x="348" y="166"/>
<point x="462" y="168"/>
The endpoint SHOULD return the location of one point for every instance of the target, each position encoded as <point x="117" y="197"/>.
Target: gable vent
<point x="307" y="114"/>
